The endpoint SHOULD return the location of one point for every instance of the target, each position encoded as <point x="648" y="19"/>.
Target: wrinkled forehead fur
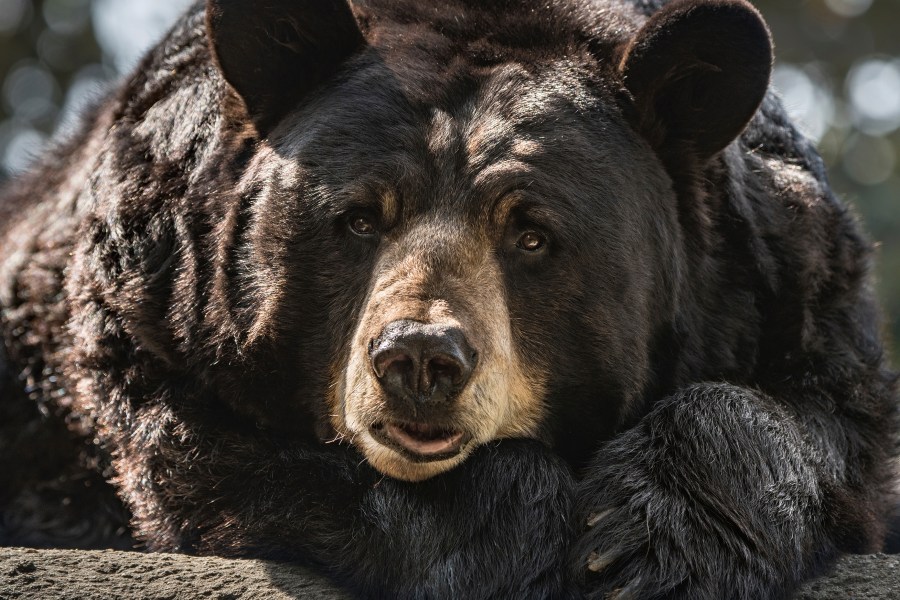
<point x="461" y="90"/>
<point x="451" y="132"/>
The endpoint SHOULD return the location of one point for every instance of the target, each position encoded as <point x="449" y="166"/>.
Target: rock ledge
<point x="77" y="575"/>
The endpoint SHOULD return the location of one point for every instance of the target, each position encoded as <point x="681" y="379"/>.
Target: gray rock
<point x="83" y="575"/>
<point x="857" y="577"/>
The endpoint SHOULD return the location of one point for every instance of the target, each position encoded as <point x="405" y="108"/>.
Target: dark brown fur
<point x="704" y="399"/>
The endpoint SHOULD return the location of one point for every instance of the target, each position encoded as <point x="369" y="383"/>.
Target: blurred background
<point x="838" y="70"/>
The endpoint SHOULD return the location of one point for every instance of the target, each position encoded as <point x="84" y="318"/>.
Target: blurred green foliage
<point x="838" y="67"/>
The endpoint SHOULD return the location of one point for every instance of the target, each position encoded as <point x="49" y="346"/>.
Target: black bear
<point x="469" y="299"/>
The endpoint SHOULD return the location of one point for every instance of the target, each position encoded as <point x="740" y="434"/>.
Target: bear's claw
<point x="595" y="518"/>
<point x="598" y="562"/>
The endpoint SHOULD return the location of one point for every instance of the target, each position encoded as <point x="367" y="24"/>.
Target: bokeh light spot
<point x="66" y="16"/>
<point x="869" y="160"/>
<point x="12" y="12"/>
<point x="55" y="50"/>
<point x="873" y="87"/>
<point x="19" y="146"/>
<point x="849" y="8"/>
<point x="30" y="91"/>
<point x="807" y="101"/>
<point x="127" y="28"/>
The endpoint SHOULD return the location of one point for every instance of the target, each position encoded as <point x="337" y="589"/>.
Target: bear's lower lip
<point x="419" y="441"/>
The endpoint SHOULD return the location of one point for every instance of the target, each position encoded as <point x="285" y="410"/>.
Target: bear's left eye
<point x="531" y="241"/>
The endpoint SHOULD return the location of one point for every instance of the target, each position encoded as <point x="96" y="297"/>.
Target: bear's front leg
<point x="717" y="493"/>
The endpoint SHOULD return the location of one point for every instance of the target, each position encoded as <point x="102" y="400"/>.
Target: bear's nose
<point x="422" y="363"/>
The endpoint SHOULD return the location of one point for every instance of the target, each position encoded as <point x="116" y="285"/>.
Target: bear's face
<point x="483" y="262"/>
<point x="456" y="244"/>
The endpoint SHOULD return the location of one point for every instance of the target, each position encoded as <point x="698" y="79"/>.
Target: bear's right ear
<point x="272" y="52"/>
<point x="698" y="70"/>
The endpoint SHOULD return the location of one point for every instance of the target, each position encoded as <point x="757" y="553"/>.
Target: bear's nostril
<point x="444" y="368"/>
<point x="390" y="359"/>
<point x="400" y="375"/>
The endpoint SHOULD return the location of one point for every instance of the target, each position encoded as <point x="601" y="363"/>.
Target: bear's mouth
<point x="420" y="442"/>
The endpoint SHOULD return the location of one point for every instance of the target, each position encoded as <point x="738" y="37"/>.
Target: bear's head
<point x="465" y="221"/>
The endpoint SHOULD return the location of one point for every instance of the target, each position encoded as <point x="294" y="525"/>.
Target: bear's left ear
<point x="272" y="52"/>
<point x="698" y="70"/>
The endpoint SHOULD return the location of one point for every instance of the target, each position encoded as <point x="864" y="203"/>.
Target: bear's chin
<point x="398" y="465"/>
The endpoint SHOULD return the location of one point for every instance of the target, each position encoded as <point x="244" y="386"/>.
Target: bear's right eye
<point x="363" y="224"/>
